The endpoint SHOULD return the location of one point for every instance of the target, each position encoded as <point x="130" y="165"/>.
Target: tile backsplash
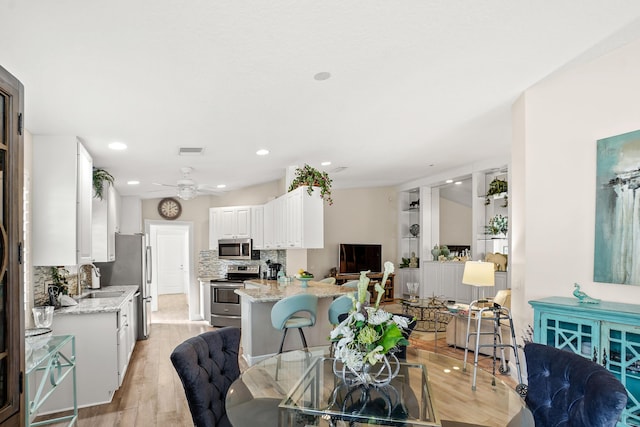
<point x="209" y="265"/>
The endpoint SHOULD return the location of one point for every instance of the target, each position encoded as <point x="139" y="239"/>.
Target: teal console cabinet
<point x="607" y="333"/>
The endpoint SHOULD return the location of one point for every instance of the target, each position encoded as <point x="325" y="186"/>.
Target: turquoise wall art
<point x="617" y="228"/>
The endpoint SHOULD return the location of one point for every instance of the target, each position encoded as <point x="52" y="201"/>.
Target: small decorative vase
<point x="436" y="253"/>
<point x="444" y="251"/>
<point x="414" y="230"/>
<point x="377" y="375"/>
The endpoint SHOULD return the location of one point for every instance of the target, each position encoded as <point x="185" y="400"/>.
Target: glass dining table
<point x="299" y="388"/>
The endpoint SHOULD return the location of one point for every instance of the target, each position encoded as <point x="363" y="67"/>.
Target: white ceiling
<point x="417" y="86"/>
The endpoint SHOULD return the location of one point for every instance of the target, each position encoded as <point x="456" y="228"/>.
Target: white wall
<point x="455" y="223"/>
<point x="363" y="215"/>
<point x="552" y="189"/>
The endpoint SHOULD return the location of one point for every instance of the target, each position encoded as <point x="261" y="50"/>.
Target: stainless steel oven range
<point x="225" y="303"/>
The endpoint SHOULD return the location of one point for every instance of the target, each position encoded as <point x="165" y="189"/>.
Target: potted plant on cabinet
<point x="498" y="226"/>
<point x="496" y="187"/>
<point x="312" y="177"/>
<point x="100" y="176"/>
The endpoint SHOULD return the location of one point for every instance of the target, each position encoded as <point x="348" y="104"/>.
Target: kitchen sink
<point x="95" y="295"/>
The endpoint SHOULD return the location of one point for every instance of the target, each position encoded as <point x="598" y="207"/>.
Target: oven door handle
<point x="227" y="285"/>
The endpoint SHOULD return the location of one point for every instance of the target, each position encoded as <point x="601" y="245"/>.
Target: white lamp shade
<point x="478" y="273"/>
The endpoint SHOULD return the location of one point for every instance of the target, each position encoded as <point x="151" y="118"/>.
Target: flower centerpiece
<point x="367" y="338"/>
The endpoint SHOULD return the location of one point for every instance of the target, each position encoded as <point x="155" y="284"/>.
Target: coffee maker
<point x="273" y="269"/>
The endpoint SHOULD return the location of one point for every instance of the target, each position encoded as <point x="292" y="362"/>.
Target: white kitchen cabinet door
<point x="104" y="226"/>
<point x="96" y="359"/>
<point x="214" y="228"/>
<point x="304" y="219"/>
<point x="269" y="225"/>
<point x="257" y="227"/>
<point x="236" y="222"/>
<point x="62" y="185"/>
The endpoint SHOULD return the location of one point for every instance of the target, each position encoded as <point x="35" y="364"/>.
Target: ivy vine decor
<point x="497" y="186"/>
<point x="312" y="177"/>
<point x="100" y="176"/>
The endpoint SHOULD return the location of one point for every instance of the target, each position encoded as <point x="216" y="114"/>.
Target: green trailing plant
<point x="312" y="177"/>
<point x="100" y="176"/>
<point x="59" y="279"/>
<point x="497" y="225"/>
<point x="497" y="186"/>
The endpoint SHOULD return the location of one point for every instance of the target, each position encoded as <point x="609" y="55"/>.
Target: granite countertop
<point x="271" y="290"/>
<point x="208" y="278"/>
<point x="99" y="305"/>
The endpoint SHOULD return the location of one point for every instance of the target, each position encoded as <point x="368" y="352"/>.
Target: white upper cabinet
<point x="62" y="201"/>
<point x="235" y="222"/>
<point x="257" y="226"/>
<point x="105" y="225"/>
<point x="294" y="221"/>
<point x="229" y="223"/>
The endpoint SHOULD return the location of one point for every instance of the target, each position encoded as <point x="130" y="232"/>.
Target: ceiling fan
<point x="187" y="188"/>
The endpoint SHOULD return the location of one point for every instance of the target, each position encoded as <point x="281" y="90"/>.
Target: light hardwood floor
<point x="152" y="394"/>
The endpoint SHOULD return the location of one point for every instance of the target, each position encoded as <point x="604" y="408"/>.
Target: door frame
<point x="193" y="295"/>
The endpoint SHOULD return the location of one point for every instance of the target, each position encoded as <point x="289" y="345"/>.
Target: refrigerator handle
<point x="147" y="262"/>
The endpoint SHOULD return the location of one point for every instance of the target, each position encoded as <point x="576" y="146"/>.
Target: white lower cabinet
<point x="96" y="359"/>
<point x="444" y="280"/>
<point x="104" y="344"/>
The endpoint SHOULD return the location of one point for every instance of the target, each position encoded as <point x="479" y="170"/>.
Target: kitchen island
<point x="261" y="340"/>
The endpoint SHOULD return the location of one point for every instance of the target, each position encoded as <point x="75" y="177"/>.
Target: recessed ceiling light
<point x="118" y="146"/>
<point x="133" y="182"/>
<point x="325" y="163"/>
<point x="323" y="75"/>
<point x="221" y="185"/>
<point x="449" y="181"/>
<point x="458" y="182"/>
<point x="262" y="152"/>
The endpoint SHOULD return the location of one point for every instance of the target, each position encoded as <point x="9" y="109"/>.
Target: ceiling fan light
<point x="187" y="192"/>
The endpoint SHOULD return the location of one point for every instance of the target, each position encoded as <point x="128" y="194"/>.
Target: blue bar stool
<point x="340" y="305"/>
<point x="288" y="313"/>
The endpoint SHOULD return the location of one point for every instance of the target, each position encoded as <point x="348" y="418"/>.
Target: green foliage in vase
<point x="497" y="225"/>
<point x="312" y="177"/>
<point x="100" y="176"/>
<point x="59" y="279"/>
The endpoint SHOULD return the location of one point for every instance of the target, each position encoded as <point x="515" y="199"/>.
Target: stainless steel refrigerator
<point x="132" y="267"/>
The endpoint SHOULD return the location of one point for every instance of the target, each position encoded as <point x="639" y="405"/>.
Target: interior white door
<point x="172" y="261"/>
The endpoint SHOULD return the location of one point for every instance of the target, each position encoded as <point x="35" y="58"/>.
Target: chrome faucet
<point x="82" y="283"/>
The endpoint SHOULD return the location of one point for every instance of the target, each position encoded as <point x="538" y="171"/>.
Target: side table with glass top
<point x="47" y="367"/>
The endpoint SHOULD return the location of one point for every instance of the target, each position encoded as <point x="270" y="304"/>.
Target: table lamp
<point x="479" y="274"/>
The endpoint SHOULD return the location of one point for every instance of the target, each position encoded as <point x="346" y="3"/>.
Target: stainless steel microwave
<point x="236" y="249"/>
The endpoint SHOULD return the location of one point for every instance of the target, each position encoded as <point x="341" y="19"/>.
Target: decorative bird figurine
<point x="584" y="298"/>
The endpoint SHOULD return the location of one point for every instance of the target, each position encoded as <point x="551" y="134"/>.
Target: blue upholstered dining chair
<point x="353" y="284"/>
<point x="568" y="390"/>
<point x="207" y="364"/>
<point x="341" y="305"/>
<point x="296" y="311"/>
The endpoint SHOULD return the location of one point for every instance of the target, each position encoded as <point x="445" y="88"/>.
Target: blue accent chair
<point x="207" y="364"/>
<point x="290" y="312"/>
<point x="341" y="305"/>
<point x="568" y="390"/>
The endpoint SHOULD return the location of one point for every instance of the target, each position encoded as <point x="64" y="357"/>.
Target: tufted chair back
<point x="207" y="364"/>
<point x="568" y="390"/>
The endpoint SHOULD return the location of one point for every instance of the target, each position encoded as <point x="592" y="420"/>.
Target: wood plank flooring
<point x="152" y="394"/>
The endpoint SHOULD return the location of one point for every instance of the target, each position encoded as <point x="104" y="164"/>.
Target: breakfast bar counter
<point x="259" y="338"/>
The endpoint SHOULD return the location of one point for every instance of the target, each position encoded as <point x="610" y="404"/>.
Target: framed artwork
<point x="617" y="228"/>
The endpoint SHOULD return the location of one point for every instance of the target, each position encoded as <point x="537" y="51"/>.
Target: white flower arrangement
<point x="368" y="333"/>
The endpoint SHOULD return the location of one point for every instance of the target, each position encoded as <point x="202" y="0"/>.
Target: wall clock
<point x="169" y="208"/>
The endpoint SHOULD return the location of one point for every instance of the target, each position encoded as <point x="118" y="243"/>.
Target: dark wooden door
<point x="12" y="404"/>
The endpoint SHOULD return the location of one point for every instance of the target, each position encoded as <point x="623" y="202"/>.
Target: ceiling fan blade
<point x="164" y="185"/>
